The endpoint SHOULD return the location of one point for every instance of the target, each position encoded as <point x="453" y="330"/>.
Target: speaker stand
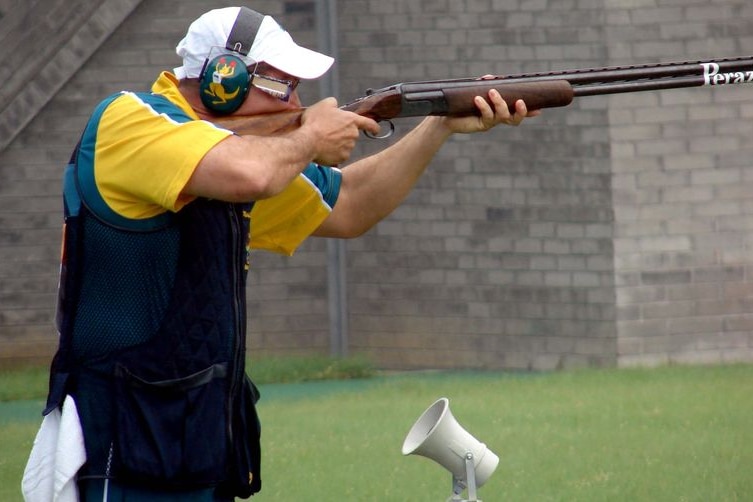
<point x="460" y="484"/>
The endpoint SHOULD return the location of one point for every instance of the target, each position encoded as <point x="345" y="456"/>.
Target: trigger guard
<point x="382" y="136"/>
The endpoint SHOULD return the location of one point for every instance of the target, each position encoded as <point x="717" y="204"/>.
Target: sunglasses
<point x="277" y="87"/>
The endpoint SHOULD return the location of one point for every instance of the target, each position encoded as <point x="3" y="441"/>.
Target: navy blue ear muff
<point x="224" y="80"/>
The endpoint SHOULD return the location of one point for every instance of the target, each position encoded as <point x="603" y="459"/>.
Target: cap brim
<point x="274" y="46"/>
<point x="300" y="62"/>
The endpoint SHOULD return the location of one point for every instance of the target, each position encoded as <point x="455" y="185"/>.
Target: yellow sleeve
<point x="146" y="151"/>
<point x="281" y="223"/>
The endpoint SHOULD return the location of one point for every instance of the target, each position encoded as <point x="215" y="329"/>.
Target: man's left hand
<point x="490" y="115"/>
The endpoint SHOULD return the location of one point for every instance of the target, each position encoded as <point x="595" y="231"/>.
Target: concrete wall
<point x="613" y="232"/>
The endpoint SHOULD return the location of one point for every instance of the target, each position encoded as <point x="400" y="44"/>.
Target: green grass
<point x="306" y="369"/>
<point x="668" y="434"/>
<point x="31" y="382"/>
<point x="23" y="383"/>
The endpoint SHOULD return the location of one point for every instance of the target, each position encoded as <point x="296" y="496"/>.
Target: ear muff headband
<point x="224" y="80"/>
<point x="244" y="31"/>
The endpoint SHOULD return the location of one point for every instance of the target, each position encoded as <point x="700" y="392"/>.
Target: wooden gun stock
<point x="265" y="124"/>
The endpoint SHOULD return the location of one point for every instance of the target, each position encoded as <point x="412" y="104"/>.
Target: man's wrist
<point x="303" y="141"/>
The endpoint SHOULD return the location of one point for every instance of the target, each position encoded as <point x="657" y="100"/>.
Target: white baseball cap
<point x="216" y="32"/>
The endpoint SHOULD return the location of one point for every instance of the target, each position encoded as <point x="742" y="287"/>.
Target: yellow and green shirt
<point x="141" y="150"/>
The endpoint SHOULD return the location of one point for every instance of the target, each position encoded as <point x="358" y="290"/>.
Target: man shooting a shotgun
<point x="161" y="210"/>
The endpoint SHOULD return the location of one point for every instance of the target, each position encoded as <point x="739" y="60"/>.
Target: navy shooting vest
<point x="152" y="324"/>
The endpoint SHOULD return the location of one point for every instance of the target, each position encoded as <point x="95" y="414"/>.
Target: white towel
<point x="57" y="455"/>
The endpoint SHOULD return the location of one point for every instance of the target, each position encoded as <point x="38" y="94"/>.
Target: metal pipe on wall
<point x="337" y="297"/>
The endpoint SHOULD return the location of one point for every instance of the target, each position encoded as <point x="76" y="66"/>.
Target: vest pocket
<point x="171" y="433"/>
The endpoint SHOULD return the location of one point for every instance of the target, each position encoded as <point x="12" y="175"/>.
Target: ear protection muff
<point x="224" y="84"/>
<point x="224" y="81"/>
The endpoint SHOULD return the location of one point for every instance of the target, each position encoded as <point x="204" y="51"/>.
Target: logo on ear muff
<point x="224" y="84"/>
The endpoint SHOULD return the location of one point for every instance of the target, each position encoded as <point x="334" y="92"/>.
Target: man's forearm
<point x="374" y="186"/>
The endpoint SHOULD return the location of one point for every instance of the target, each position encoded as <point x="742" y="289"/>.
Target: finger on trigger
<point x="367" y="124"/>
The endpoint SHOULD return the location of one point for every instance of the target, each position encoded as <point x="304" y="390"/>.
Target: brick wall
<point x="615" y="231"/>
<point x="502" y="257"/>
<point x="681" y="164"/>
<point x="44" y="43"/>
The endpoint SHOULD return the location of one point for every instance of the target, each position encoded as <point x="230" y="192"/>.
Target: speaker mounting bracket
<point x="459" y="484"/>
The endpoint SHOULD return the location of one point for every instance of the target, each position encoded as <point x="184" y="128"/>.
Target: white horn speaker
<point x="438" y="436"/>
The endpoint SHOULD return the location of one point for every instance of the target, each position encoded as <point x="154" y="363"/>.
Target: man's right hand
<point x="334" y="131"/>
<point x="244" y="168"/>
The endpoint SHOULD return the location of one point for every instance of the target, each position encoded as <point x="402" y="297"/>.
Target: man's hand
<point x="334" y="132"/>
<point x="490" y="116"/>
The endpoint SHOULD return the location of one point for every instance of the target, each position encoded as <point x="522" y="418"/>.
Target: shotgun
<point x="454" y="97"/>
